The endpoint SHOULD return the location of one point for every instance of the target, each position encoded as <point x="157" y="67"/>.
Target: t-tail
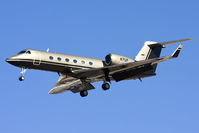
<point x="152" y="50"/>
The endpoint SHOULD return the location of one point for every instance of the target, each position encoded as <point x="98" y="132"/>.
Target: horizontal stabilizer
<point x="169" y="42"/>
<point x="177" y="51"/>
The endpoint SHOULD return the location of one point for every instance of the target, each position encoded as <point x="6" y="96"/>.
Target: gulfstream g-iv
<point x="77" y="73"/>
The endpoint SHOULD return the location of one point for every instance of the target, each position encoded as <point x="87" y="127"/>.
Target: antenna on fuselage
<point x="47" y="50"/>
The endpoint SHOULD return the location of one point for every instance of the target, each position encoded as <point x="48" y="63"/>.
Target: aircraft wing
<point x="65" y="83"/>
<point x="97" y="72"/>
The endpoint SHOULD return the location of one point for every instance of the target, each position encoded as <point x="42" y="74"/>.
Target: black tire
<point x="105" y="86"/>
<point x="21" y="78"/>
<point x="84" y="93"/>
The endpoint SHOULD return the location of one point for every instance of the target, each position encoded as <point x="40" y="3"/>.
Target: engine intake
<point x="112" y="59"/>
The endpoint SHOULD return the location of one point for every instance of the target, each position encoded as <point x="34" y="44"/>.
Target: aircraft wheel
<point x="84" y="93"/>
<point x="21" y="78"/>
<point x="105" y="86"/>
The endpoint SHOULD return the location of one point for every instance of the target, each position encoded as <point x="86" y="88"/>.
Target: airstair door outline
<point x="37" y="59"/>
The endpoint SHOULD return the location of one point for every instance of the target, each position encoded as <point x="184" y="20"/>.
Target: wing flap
<point x="84" y="86"/>
<point x="131" y="73"/>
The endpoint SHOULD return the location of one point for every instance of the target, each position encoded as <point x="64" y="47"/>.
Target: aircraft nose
<point x="8" y="59"/>
<point x="13" y="60"/>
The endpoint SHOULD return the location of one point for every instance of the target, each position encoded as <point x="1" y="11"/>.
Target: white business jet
<point x="77" y="73"/>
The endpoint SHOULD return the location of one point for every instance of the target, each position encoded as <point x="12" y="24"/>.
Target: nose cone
<point x="9" y="60"/>
<point x="13" y="61"/>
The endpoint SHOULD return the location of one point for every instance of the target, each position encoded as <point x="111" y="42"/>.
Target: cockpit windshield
<point x="21" y="52"/>
<point x="24" y="51"/>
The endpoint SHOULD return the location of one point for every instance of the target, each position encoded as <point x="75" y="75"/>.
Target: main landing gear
<point x="21" y="78"/>
<point x="83" y="93"/>
<point x="105" y="86"/>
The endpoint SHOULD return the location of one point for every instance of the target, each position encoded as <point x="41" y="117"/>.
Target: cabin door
<point x="37" y="59"/>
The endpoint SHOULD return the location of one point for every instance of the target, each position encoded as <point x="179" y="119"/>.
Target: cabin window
<point x="83" y="62"/>
<point x="91" y="63"/>
<point x="67" y="60"/>
<point x="51" y="58"/>
<point x="58" y="58"/>
<point x="75" y="61"/>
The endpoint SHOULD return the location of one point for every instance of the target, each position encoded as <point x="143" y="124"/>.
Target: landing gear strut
<point x="21" y="78"/>
<point x="83" y="93"/>
<point x="106" y="85"/>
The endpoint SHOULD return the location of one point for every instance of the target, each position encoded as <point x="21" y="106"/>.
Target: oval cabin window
<point x="59" y="59"/>
<point x="75" y="61"/>
<point x="83" y="62"/>
<point x="67" y="60"/>
<point x="91" y="63"/>
<point x="51" y="58"/>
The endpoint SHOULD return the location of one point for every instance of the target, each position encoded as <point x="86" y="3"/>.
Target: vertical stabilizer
<point x="149" y="51"/>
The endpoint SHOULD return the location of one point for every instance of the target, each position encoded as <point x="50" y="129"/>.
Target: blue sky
<point x="165" y="103"/>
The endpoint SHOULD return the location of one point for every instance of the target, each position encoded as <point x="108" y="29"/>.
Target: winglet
<point x="177" y="51"/>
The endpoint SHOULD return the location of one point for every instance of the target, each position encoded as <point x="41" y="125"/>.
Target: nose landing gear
<point x="21" y="78"/>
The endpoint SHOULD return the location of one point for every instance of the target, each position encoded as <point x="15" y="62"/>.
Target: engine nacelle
<point x="112" y="59"/>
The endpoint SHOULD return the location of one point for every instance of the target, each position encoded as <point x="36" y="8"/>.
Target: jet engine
<point x="112" y="59"/>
